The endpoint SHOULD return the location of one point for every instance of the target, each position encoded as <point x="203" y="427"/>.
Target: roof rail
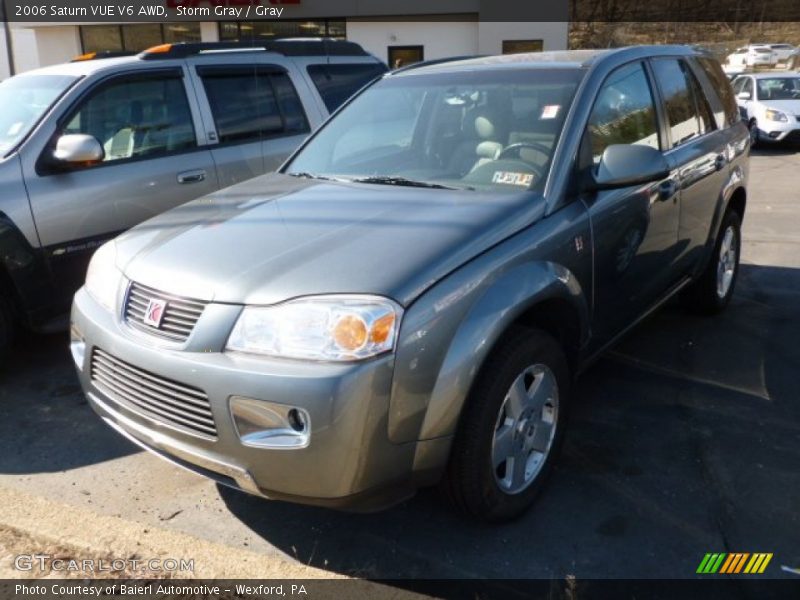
<point x="287" y="47"/>
<point x="437" y="61"/>
<point x="100" y="55"/>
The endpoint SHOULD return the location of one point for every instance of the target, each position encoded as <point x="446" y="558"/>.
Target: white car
<point x="770" y="104"/>
<point x="754" y="55"/>
<point x="782" y="51"/>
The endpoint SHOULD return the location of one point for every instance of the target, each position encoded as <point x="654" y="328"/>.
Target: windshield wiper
<point x="387" y="180"/>
<point x="304" y="175"/>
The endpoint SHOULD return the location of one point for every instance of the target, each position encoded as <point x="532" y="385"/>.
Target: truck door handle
<point x="667" y="189"/>
<point x="192" y="176"/>
<point x="720" y="162"/>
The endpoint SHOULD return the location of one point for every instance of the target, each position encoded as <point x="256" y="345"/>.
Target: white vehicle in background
<point x="783" y="51"/>
<point x="754" y="55"/>
<point x="770" y="105"/>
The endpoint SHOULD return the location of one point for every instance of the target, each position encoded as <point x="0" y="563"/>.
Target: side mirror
<point x="743" y="95"/>
<point x="78" y="150"/>
<point x="623" y="165"/>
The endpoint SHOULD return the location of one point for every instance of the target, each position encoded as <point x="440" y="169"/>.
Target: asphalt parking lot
<point x="685" y="439"/>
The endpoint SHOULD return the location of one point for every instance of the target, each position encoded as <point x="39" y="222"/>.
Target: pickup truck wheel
<point x="511" y="428"/>
<point x="712" y="292"/>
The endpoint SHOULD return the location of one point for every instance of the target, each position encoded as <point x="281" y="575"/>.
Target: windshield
<point x="779" y="88"/>
<point x="482" y="130"/>
<point x="25" y="98"/>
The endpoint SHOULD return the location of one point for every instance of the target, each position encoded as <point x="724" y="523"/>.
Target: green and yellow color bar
<point x="736" y="562"/>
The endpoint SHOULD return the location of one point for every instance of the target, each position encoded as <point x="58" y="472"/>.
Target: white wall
<point x="209" y="32"/>
<point x="5" y="71"/>
<point x="440" y="39"/>
<point x="491" y="35"/>
<point x="43" y="46"/>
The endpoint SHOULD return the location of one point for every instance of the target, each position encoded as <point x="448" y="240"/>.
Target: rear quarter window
<point x="336" y="83"/>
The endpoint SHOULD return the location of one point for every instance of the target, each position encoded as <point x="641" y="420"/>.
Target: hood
<point x="279" y="237"/>
<point x="791" y="107"/>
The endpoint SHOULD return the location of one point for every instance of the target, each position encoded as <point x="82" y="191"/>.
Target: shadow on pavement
<point x="46" y="424"/>
<point x="684" y="439"/>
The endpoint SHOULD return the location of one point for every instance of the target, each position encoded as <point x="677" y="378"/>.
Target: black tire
<point x="703" y="296"/>
<point x="469" y="482"/>
<point x="752" y="126"/>
<point x="7" y="326"/>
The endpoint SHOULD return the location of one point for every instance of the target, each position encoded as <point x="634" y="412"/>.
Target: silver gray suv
<point x="407" y="301"/>
<point x="91" y="148"/>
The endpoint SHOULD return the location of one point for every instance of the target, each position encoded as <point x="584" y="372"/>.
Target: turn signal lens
<point x="382" y="329"/>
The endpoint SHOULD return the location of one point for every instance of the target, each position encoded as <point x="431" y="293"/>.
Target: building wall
<point x="36" y="47"/>
<point x="491" y="35"/>
<point x="440" y="39"/>
<point x="5" y="69"/>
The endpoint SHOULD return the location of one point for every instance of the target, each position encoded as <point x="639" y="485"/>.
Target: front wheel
<point x="712" y="292"/>
<point x="753" y="127"/>
<point x="511" y="428"/>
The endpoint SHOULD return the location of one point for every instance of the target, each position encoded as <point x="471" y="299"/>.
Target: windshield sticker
<point x="510" y="178"/>
<point x="550" y="111"/>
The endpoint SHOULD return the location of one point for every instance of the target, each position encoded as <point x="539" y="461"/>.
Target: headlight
<point x="324" y="328"/>
<point x="103" y="277"/>
<point x="775" y="115"/>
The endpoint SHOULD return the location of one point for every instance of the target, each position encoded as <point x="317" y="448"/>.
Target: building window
<point x="402" y="56"/>
<point x="522" y="46"/>
<point x="248" y="31"/>
<point x="135" y="38"/>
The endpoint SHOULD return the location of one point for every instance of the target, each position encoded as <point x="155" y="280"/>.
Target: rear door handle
<point x="192" y="176"/>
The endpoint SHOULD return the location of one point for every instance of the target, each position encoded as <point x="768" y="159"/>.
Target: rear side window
<point x="723" y="89"/>
<point x="336" y="83"/>
<point x="624" y="112"/>
<point x="137" y="117"/>
<point x="676" y="83"/>
<point x="248" y="105"/>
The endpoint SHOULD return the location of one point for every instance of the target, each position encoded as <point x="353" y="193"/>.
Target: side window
<point x="707" y="122"/>
<point x="624" y="112"/>
<point x="747" y="86"/>
<point x="243" y="104"/>
<point x="676" y="88"/>
<point x="336" y="83"/>
<point x="137" y="117"/>
<point x="289" y="102"/>
<point x="723" y="90"/>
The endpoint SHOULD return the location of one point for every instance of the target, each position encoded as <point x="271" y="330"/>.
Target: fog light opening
<point x="297" y="420"/>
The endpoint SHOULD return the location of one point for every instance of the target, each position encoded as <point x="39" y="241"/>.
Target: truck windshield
<point x="478" y="129"/>
<point x="25" y="98"/>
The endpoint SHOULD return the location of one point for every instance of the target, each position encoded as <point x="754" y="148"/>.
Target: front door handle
<point x="667" y="189"/>
<point x="192" y="176"/>
<point x="720" y="162"/>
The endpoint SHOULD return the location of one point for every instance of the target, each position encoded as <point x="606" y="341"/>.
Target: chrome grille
<point x="180" y="314"/>
<point x="151" y="395"/>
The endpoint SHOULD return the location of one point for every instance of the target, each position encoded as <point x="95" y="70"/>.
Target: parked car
<point x="770" y="105"/>
<point x="407" y="301"/>
<point x="782" y="51"/>
<point x="754" y="55"/>
<point x="91" y="148"/>
<point x="793" y="62"/>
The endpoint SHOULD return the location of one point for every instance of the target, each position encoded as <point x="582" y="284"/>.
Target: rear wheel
<point x="712" y="292"/>
<point x="511" y="428"/>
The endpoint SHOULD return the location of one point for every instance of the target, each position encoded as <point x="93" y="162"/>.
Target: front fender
<point x="448" y="335"/>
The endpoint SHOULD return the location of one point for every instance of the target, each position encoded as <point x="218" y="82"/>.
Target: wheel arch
<point x="541" y="295"/>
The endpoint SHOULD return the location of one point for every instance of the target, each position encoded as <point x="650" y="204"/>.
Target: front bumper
<point x="779" y="131"/>
<point x="349" y="461"/>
